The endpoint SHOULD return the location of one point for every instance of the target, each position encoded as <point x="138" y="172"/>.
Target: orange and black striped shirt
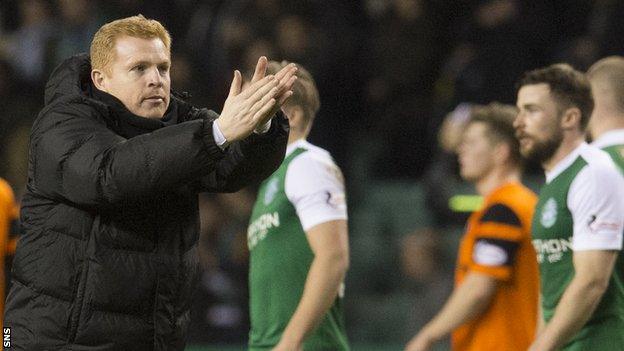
<point x="497" y="243"/>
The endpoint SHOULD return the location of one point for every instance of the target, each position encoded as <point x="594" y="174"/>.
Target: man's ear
<point x="99" y="79"/>
<point x="571" y="118"/>
<point x="502" y="152"/>
<point x="295" y="117"/>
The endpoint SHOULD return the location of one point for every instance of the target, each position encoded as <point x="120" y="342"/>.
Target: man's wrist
<point x="290" y="339"/>
<point x="547" y="344"/>
<point x="219" y="138"/>
<point x="428" y="334"/>
<point x="538" y="344"/>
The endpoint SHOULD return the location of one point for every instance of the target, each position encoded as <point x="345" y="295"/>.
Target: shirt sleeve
<point x="596" y="202"/>
<point x="497" y="237"/>
<point x="315" y="187"/>
<point x="219" y="139"/>
<point x="223" y="143"/>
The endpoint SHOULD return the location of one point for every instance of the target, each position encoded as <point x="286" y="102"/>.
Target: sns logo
<point x="6" y="337"/>
<point x="549" y="213"/>
<point x="552" y="250"/>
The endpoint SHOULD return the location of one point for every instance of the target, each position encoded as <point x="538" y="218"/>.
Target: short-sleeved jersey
<point x="305" y="191"/>
<point x="581" y="208"/>
<point x="612" y="142"/>
<point x="497" y="243"/>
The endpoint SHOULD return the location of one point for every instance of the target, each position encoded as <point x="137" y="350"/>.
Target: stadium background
<point x="396" y="77"/>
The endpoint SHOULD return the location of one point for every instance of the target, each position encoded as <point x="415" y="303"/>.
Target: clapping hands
<point x="245" y="110"/>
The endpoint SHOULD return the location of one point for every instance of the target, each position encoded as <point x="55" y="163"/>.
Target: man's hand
<point x="592" y="273"/>
<point x="467" y="301"/>
<point x="286" y="78"/>
<point x="245" y="111"/>
<point x="421" y="342"/>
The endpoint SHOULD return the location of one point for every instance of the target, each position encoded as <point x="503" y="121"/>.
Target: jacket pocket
<point x="78" y="304"/>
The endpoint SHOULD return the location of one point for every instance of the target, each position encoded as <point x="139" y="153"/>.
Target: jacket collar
<point x="128" y="124"/>
<point x="73" y="78"/>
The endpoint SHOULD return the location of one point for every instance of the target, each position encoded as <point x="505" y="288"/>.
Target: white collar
<point x="610" y="138"/>
<point x="565" y="163"/>
<point x="294" y="145"/>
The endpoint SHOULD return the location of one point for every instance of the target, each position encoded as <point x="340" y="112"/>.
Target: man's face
<point x="139" y="76"/>
<point x="476" y="152"/>
<point x="538" y="123"/>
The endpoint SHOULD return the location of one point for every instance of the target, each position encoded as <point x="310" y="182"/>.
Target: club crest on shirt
<point x="271" y="190"/>
<point x="549" y="213"/>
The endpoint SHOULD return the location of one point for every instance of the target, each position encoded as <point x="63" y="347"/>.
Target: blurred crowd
<point x="396" y="79"/>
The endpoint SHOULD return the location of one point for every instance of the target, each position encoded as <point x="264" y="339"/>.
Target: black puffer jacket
<point x="108" y="255"/>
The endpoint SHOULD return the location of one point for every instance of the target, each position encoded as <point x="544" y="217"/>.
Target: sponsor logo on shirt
<point x="551" y="250"/>
<point x="602" y="225"/>
<point x="549" y="213"/>
<point x="259" y="228"/>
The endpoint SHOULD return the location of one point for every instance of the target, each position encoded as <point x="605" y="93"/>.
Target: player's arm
<point x="498" y="230"/>
<point x="541" y="324"/>
<point x="466" y="302"/>
<point x="316" y="189"/>
<point x="329" y="242"/>
<point x="592" y="273"/>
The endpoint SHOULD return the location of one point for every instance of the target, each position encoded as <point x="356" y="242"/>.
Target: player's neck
<point x="606" y="125"/>
<point x="296" y="133"/>
<point x="568" y="144"/>
<point x="498" y="177"/>
<point x="293" y="137"/>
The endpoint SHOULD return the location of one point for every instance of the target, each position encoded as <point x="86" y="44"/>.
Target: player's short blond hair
<point x="610" y="70"/>
<point x="103" y="43"/>
<point x="305" y="93"/>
